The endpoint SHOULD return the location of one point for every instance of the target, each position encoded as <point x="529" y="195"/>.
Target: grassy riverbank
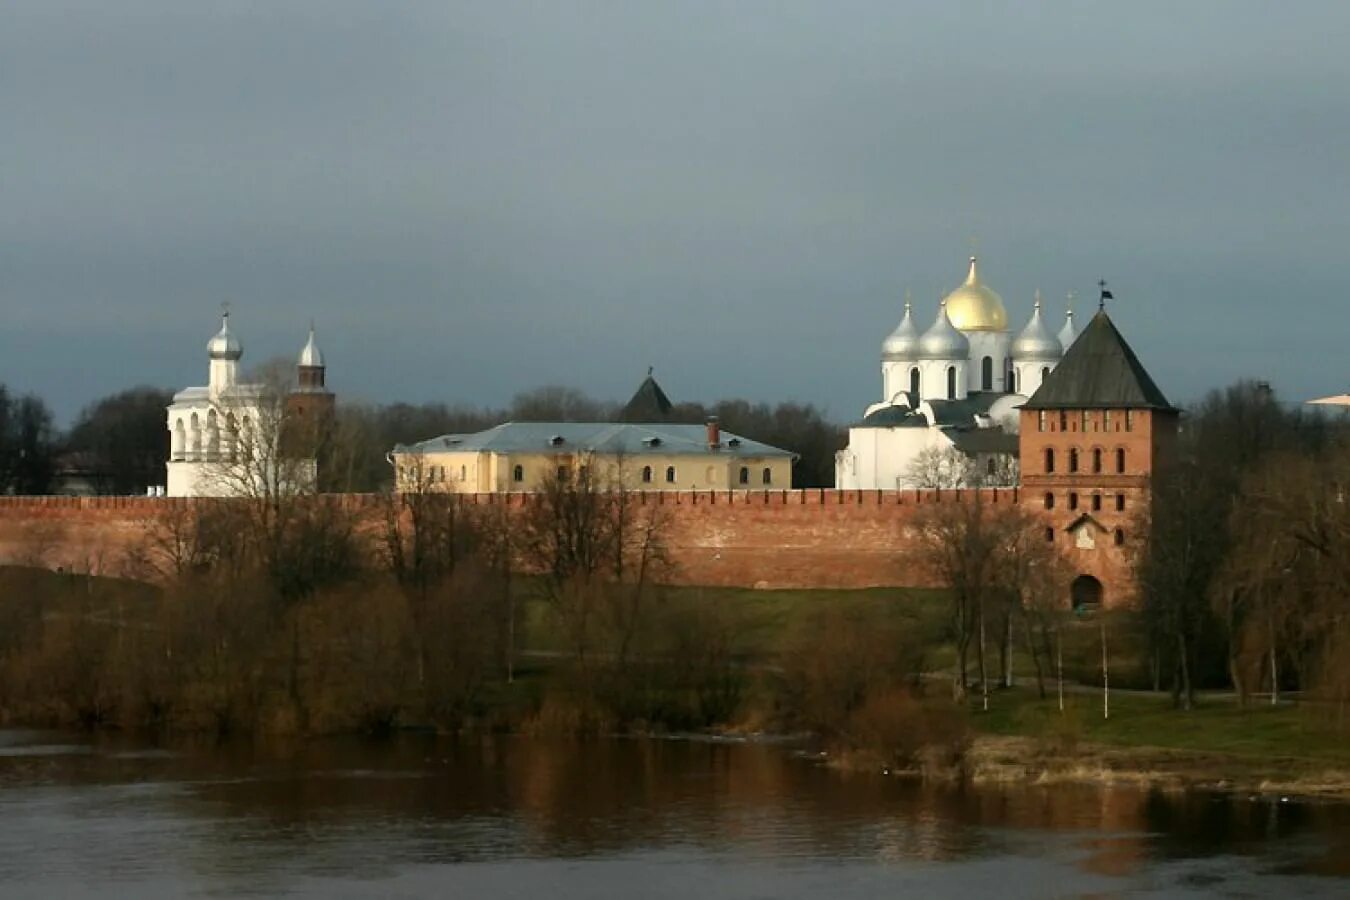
<point x="1287" y="748"/>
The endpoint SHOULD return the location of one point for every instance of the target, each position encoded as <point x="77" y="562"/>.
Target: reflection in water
<point x="421" y="814"/>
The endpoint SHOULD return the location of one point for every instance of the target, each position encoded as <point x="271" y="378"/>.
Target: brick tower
<point x="1091" y="438"/>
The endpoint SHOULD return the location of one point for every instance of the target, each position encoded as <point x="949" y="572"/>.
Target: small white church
<point x="948" y="413"/>
<point x="227" y="438"/>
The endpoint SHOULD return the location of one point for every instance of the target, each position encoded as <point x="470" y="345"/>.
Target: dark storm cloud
<point x="476" y="199"/>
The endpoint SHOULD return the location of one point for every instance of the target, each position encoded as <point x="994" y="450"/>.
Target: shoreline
<point x="1000" y="759"/>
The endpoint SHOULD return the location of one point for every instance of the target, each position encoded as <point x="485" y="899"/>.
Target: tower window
<point x="1073" y="500"/>
<point x="1040" y="421"/>
<point x="1097" y="459"/>
<point x="745" y="475"/>
<point x="1073" y="459"/>
<point x="1063" y="420"/>
<point x="1049" y="460"/>
<point x="1120" y="460"/>
<point x="987" y="373"/>
<point x="768" y="475"/>
<point x="914" y="381"/>
<point x="1106" y="420"/>
<point x="1129" y="420"/>
<point x="1049" y="501"/>
<point x="1050" y="535"/>
<point x="1120" y="536"/>
<point x="670" y="474"/>
<point x="951" y="382"/>
<point x="1096" y="502"/>
<point x="646" y="474"/>
<point x="1120" y="502"/>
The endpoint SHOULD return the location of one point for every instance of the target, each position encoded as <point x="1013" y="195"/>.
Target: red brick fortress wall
<point x="753" y="539"/>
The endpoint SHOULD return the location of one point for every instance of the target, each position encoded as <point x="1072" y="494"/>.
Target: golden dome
<point x="974" y="307"/>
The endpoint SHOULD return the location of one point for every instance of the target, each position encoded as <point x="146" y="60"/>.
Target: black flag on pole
<point x="1107" y="295"/>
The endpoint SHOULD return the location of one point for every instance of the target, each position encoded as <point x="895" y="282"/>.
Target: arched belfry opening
<point x="1085" y="593"/>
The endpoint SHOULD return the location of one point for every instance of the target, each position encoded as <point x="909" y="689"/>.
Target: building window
<point x="646" y="474"/>
<point x="1097" y="460"/>
<point x="990" y="466"/>
<point x="670" y="474"/>
<point x="1049" y="460"/>
<point x="463" y="473"/>
<point x="518" y="474"/>
<point x="1120" y="536"/>
<point x="1073" y="459"/>
<point x="1120" y="502"/>
<point x="914" y="381"/>
<point x="1120" y="460"/>
<point x="745" y="475"/>
<point x="1063" y="420"/>
<point x="1096" y="502"/>
<point x="951" y="382"/>
<point x="768" y="475"/>
<point x="1050" y="535"/>
<point x="1049" y="501"/>
<point x="1073" y="500"/>
<point x="987" y="373"/>
<point x="1040" y="420"/>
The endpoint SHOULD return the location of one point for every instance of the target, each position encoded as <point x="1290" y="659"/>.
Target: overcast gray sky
<point x="475" y="199"/>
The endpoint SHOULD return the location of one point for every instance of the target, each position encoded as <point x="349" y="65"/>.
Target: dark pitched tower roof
<point x="1099" y="370"/>
<point x="649" y="403"/>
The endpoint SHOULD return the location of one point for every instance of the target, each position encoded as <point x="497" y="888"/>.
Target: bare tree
<point x="941" y="468"/>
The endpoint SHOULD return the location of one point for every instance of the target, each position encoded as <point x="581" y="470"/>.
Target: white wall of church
<point x="880" y="458"/>
<point x="995" y="346"/>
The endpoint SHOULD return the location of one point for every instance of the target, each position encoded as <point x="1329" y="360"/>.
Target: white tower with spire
<point x="215" y="429"/>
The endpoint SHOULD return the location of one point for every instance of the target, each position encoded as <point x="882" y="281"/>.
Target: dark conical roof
<point x="649" y="403"/>
<point x="1099" y="370"/>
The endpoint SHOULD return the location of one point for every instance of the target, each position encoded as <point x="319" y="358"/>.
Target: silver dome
<point x="1069" y="333"/>
<point x="1036" y="341"/>
<point x="225" y="345"/>
<point x="943" y="341"/>
<point x="311" y="356"/>
<point x="902" y="344"/>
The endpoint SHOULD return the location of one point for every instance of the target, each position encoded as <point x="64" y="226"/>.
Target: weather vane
<point x="1106" y="295"/>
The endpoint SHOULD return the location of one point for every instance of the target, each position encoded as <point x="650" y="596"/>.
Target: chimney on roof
<point x="714" y="434"/>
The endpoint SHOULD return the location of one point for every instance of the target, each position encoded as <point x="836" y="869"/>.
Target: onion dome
<point x="903" y="343"/>
<point x="974" y="307"/>
<point x="225" y="345"/>
<point x="1036" y="341"/>
<point x="311" y="356"/>
<point x="943" y="341"/>
<point x="1069" y="333"/>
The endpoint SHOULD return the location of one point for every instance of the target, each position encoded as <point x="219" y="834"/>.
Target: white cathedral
<point x="950" y="396"/>
<point x="226" y="438"/>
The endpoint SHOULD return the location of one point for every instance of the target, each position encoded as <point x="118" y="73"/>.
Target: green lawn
<point x="1218" y="725"/>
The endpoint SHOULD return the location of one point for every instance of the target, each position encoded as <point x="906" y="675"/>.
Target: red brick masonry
<point x="756" y="539"/>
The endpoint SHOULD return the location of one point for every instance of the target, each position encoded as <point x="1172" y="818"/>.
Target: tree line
<point x="119" y="444"/>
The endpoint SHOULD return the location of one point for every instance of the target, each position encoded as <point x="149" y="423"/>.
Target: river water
<point x="419" y="816"/>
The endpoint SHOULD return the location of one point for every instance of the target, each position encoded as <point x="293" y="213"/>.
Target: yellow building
<point x="521" y="456"/>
